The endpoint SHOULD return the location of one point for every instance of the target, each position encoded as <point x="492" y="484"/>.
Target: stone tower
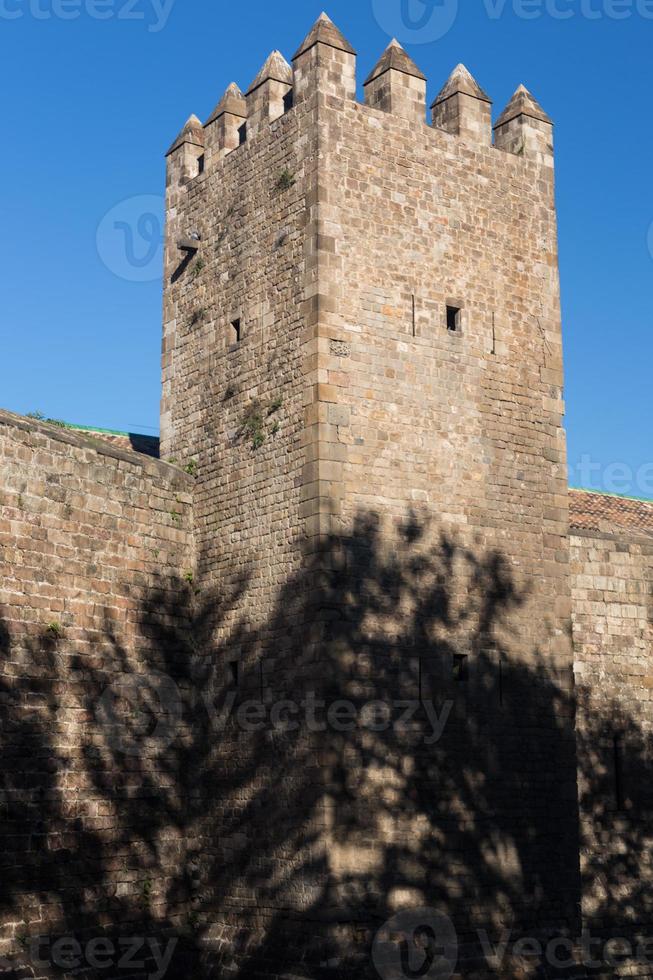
<point x="362" y="356"/>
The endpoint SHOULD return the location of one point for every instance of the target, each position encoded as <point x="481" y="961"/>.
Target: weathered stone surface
<point x="362" y="377"/>
<point x="233" y="101"/>
<point x="394" y="58"/>
<point x="95" y="548"/>
<point x="192" y="132"/>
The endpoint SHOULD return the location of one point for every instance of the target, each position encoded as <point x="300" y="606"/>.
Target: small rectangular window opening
<point x="460" y="667"/>
<point x="235" y="331"/>
<point x="200" y="164"/>
<point x="234" y="673"/>
<point x="288" y="100"/>
<point x="453" y="318"/>
<point x="242" y="134"/>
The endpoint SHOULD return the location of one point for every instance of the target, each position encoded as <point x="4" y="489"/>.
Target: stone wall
<point x="96" y="551"/>
<point x="612" y="589"/>
<point x="320" y="671"/>
<point x="237" y="406"/>
<point x="445" y="460"/>
<point x="381" y="510"/>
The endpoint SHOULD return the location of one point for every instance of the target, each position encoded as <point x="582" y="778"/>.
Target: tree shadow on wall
<point x="455" y="788"/>
<point x="270" y="796"/>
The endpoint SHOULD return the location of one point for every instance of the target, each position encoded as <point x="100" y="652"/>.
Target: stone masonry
<point x="391" y="663"/>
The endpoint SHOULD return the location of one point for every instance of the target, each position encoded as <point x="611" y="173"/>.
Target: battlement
<point x="325" y="63"/>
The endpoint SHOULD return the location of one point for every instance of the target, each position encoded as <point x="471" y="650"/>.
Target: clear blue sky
<point x="90" y="105"/>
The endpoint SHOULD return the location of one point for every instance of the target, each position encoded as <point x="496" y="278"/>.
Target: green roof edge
<point x="96" y="428"/>
<point x="617" y="496"/>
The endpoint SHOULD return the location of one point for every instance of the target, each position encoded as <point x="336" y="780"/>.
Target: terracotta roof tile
<point x="601" y="512"/>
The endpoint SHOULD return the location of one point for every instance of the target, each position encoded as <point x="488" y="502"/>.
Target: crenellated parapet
<point x="325" y="63"/>
<point x="187" y="150"/>
<point x="266" y="96"/>
<point x="463" y="109"/>
<point x="525" y="129"/>
<point x="397" y="85"/>
<point x="224" y="129"/>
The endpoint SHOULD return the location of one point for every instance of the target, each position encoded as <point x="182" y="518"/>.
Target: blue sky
<point x="94" y="91"/>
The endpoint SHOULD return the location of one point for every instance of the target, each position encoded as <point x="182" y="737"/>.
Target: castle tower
<point x="363" y="360"/>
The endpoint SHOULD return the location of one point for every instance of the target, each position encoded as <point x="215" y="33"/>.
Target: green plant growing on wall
<point x="146" y="892"/>
<point x="275" y="428"/>
<point x="176" y="516"/>
<point x="188" y="577"/>
<point x="275" y="405"/>
<point x="286" y="180"/>
<point x="198" y="267"/>
<point x="38" y="416"/>
<point x="253" y="428"/>
<point x="54" y="629"/>
<point x="191" y="467"/>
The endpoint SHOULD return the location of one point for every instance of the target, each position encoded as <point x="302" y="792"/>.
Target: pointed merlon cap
<point x="522" y="104"/>
<point x="394" y="57"/>
<point x="276" y="68"/>
<point x="460" y="80"/>
<point x="324" y="31"/>
<point x="193" y="132"/>
<point x="233" y="101"/>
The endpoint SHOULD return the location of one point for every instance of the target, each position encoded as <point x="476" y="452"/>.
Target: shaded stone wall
<point x="236" y="407"/>
<point x="612" y="582"/>
<point x="96" y="552"/>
